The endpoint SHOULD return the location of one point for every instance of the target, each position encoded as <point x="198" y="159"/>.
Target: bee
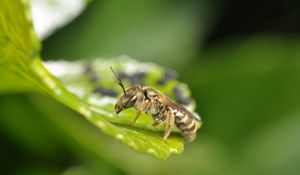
<point x="160" y="107"/>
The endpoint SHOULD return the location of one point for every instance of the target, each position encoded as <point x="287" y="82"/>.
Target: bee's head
<point x="128" y="99"/>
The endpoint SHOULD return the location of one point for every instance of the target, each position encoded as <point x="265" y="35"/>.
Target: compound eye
<point x="131" y="102"/>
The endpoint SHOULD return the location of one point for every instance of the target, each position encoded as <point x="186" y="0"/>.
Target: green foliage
<point x="246" y="89"/>
<point x="20" y="60"/>
<point x="18" y="44"/>
<point x="249" y="97"/>
<point x="142" y="29"/>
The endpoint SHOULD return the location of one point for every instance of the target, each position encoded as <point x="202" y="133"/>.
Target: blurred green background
<point x="240" y="59"/>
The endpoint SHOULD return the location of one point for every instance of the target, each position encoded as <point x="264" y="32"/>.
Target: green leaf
<point x="83" y="78"/>
<point x="18" y="44"/>
<point x="19" y="59"/>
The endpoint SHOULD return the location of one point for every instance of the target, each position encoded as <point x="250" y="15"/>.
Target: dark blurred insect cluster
<point x="137" y="77"/>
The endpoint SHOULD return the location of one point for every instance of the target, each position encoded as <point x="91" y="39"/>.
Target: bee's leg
<point x="169" y="123"/>
<point x="155" y="123"/>
<point x="138" y="113"/>
<point x="140" y="109"/>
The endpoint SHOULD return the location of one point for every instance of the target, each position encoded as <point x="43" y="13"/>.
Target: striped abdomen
<point x="186" y="124"/>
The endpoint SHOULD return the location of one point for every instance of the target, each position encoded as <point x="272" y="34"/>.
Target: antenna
<point x="120" y="81"/>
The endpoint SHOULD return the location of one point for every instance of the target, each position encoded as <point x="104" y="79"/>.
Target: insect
<point x="160" y="107"/>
